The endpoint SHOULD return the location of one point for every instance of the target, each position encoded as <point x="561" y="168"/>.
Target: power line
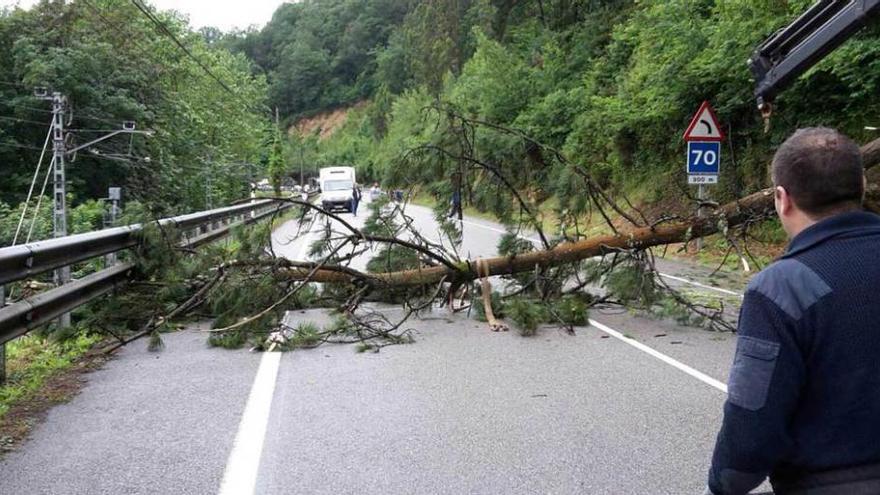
<point x="76" y="115"/>
<point x="163" y="29"/>
<point x="139" y="40"/>
<point x="90" y="130"/>
<point x="25" y="107"/>
<point x="26" y="121"/>
<point x="30" y="193"/>
<point x="118" y="28"/>
<point x="40" y="200"/>
<point x="106" y="120"/>
<point x="22" y="146"/>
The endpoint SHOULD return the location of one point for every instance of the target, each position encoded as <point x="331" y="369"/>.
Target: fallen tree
<point x="247" y="292"/>
<point x="755" y="206"/>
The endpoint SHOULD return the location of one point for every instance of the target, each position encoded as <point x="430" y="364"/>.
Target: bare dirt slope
<point x="325" y="123"/>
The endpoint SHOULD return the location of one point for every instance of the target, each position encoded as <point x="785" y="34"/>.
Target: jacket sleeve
<point x="763" y="389"/>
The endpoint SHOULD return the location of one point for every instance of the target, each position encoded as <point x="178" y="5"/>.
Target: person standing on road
<point x="455" y="210"/>
<point x="355" y="199"/>
<point x="803" y="401"/>
<point x="375" y="192"/>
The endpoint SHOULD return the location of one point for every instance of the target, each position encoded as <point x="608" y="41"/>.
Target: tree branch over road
<point x="759" y="204"/>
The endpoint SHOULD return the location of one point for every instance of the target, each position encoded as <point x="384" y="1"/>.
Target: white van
<point x="336" y="187"/>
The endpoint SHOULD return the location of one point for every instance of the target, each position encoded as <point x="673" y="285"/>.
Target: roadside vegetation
<point x="611" y="85"/>
<point x="34" y="359"/>
<point x="113" y="65"/>
<point x="560" y="118"/>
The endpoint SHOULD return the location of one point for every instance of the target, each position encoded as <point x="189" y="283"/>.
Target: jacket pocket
<point x="752" y="372"/>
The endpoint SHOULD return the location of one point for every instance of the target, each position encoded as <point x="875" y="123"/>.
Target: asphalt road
<point x="627" y="405"/>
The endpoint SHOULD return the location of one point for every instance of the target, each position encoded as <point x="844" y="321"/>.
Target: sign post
<point x="703" y="137"/>
<point x="114" y="194"/>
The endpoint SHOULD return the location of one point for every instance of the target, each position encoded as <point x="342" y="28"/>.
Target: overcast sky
<point x="223" y="14"/>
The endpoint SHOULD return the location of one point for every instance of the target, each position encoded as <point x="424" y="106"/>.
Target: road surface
<point x="627" y="405"/>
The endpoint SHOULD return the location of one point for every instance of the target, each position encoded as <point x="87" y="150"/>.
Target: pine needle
<point x="155" y="344"/>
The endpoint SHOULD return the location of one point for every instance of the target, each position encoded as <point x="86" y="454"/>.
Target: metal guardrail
<point x="21" y="262"/>
<point x="23" y="316"/>
<point x="26" y="260"/>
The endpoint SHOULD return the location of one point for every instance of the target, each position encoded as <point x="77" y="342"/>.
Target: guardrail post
<point x="3" y="345"/>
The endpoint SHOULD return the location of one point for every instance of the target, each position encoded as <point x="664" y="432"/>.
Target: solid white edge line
<point x="698" y="284"/>
<point x="304" y="250"/>
<point x="708" y="380"/>
<point x="240" y="475"/>
<point x="466" y="222"/>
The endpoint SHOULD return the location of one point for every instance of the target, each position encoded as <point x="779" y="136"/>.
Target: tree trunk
<point x="735" y="213"/>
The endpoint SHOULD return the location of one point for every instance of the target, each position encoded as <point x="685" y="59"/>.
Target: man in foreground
<point x="804" y="391"/>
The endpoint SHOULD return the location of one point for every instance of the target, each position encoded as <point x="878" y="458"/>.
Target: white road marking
<point x="304" y="250"/>
<point x="496" y="230"/>
<point x="240" y="476"/>
<point x="664" y="275"/>
<point x="662" y="357"/>
<point x="638" y="345"/>
<point x="697" y="284"/>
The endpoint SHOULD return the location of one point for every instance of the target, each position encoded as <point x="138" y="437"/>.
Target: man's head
<point x="816" y="173"/>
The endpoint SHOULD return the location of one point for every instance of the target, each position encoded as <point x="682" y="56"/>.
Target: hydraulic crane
<point x="792" y="50"/>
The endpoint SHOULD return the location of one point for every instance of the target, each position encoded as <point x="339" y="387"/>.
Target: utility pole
<point x="208" y="188"/>
<point x="59" y="154"/>
<point x="114" y="195"/>
<point x="2" y="346"/>
<point x="302" y="163"/>
<point x="252" y="184"/>
<point x="59" y="186"/>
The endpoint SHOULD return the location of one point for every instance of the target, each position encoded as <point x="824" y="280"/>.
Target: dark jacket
<point x="804" y="392"/>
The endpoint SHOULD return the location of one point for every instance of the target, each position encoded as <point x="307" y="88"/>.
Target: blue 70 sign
<point x="703" y="158"/>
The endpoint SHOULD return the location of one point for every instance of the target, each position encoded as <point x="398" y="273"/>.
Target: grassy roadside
<point x="45" y="369"/>
<point x="32" y="360"/>
<point x="41" y="373"/>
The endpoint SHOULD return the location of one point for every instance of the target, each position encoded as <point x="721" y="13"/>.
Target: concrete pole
<point x="59" y="198"/>
<point x="2" y="346"/>
<point x="115" y="194"/>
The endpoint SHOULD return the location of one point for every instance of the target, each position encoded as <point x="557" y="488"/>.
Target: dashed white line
<point x="240" y="476"/>
<point x="662" y="357"/>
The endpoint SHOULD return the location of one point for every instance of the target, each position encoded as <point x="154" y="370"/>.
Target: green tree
<point x="113" y="65"/>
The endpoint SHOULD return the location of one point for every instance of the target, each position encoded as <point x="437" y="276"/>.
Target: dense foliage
<point x="114" y="64"/>
<point x="321" y="53"/>
<point x="611" y="84"/>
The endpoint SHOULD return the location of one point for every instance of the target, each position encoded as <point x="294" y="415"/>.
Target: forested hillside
<point x="440" y="93"/>
<point x="610" y="84"/>
<point x="322" y="54"/>
<point x="207" y="110"/>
